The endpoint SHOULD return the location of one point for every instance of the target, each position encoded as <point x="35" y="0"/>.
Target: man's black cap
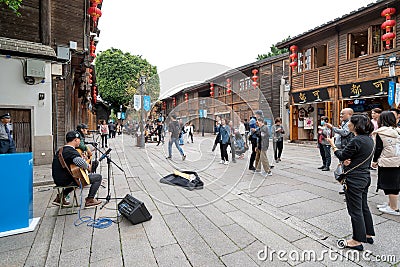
<point x="5" y="116"/>
<point x="72" y="135"/>
<point x="82" y="126"/>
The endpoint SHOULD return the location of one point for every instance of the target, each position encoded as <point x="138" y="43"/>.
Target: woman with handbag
<point x="387" y="159"/>
<point x="357" y="155"/>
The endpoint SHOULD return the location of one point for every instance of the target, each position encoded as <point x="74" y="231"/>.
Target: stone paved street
<point x="236" y="215"/>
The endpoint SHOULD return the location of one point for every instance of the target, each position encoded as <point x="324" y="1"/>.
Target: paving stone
<point x="312" y="208"/>
<point x="158" y="232"/>
<point x="238" y="235"/>
<point x="385" y="233"/>
<point x="288" y="198"/>
<point x="279" y="227"/>
<point x="136" y="249"/>
<point x="74" y="257"/>
<point x="116" y="261"/>
<point x="196" y="249"/>
<point x="216" y="239"/>
<point x="214" y="215"/>
<point x="15" y="257"/>
<point x="238" y="258"/>
<point x="170" y="256"/>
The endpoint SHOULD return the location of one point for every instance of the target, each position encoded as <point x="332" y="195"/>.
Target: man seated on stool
<point x="63" y="177"/>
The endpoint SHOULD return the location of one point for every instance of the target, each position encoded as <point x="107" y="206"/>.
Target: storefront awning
<point x="368" y="88"/>
<point x="311" y="96"/>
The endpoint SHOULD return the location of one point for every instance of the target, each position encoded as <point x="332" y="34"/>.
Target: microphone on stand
<point x="105" y="154"/>
<point x="90" y="143"/>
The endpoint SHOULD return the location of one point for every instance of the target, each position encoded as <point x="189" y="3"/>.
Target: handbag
<point x="340" y="174"/>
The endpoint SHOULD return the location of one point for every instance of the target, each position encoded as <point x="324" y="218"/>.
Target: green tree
<point x="274" y="51"/>
<point x="14" y="5"/>
<point x="118" y="74"/>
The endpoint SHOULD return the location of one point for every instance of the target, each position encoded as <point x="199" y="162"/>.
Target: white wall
<point x="15" y="92"/>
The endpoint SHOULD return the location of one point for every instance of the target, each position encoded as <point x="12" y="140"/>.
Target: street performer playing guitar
<point x="62" y="175"/>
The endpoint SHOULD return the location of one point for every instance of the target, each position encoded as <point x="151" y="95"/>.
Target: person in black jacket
<point x="63" y="177"/>
<point x="357" y="156"/>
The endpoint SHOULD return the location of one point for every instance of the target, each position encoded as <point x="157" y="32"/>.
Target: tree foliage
<point x="117" y="76"/>
<point x="14" y="5"/>
<point x="274" y="51"/>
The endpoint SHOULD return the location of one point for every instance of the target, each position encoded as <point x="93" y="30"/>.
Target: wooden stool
<point x="74" y="203"/>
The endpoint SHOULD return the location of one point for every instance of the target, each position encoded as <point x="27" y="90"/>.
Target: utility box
<point x="63" y="52"/>
<point x="35" y="68"/>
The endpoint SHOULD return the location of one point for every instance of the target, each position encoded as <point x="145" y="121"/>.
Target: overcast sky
<point x="229" y="33"/>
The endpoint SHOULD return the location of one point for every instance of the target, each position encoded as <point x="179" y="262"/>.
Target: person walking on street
<point x="190" y="131"/>
<point x="387" y="160"/>
<point x="323" y="144"/>
<point x="159" y="131"/>
<point x="277" y="139"/>
<point x="7" y="144"/>
<point x="232" y="141"/>
<point x="104" y="133"/>
<point x="246" y="131"/>
<point x="112" y="129"/>
<point x="175" y="129"/>
<point x="262" y="147"/>
<point x="218" y="137"/>
<point x="253" y="142"/>
<point x="357" y="156"/>
<point x="224" y="132"/>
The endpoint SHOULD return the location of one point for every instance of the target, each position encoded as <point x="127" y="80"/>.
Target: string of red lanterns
<point x="211" y="89"/>
<point x="94" y="12"/>
<point x="254" y="78"/>
<point x="228" y="86"/>
<point x="387" y="25"/>
<point x="174" y="101"/>
<point x="186" y="97"/>
<point x="293" y="57"/>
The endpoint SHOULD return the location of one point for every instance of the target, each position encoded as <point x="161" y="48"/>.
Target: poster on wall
<point x="300" y="123"/>
<point x="308" y="123"/>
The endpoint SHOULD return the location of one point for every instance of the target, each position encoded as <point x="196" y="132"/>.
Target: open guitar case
<point x="173" y="179"/>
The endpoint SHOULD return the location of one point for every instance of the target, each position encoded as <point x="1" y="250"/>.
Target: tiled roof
<point x="25" y="47"/>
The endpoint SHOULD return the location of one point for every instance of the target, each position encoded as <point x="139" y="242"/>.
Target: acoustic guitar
<point x="80" y="175"/>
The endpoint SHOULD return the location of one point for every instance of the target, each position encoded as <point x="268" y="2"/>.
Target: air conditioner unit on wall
<point x="63" y="52"/>
<point x="35" y="68"/>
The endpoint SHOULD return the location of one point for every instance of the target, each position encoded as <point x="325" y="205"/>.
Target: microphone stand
<point x="109" y="161"/>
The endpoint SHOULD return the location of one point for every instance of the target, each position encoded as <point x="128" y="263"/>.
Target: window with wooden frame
<point x="365" y="42"/>
<point x="357" y="44"/>
<point x="304" y="60"/>
<point x="320" y="56"/>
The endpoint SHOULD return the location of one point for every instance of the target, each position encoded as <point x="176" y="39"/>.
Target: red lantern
<point x="95" y="13"/>
<point x="92" y="48"/>
<point x="388" y="12"/>
<point x="186" y="97"/>
<point x="228" y="86"/>
<point x="96" y="2"/>
<point x="211" y="89"/>
<point x="293" y="64"/>
<point x="254" y="78"/>
<point x="388" y="24"/>
<point x="174" y="101"/>
<point x="94" y="94"/>
<point x="93" y="55"/>
<point x="293" y="48"/>
<point x="293" y="57"/>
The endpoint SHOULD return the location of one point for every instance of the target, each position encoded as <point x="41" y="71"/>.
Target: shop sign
<point x="391" y="92"/>
<point x="397" y="95"/>
<point x="310" y="96"/>
<point x="368" y="88"/>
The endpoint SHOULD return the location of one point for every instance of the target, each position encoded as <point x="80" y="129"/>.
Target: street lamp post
<point x="142" y="81"/>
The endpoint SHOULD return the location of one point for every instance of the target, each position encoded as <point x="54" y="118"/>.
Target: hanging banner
<point x="146" y="102"/>
<point x="368" y="88"/>
<point x="397" y="95"/>
<point x="137" y="102"/>
<point x="391" y="92"/>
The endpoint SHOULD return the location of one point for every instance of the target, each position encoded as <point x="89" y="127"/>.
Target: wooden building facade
<point x="233" y="96"/>
<point x="335" y="66"/>
<point x="67" y="29"/>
